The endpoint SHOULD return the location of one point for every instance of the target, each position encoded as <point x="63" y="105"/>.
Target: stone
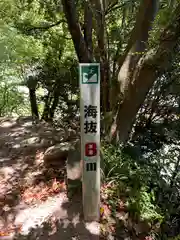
<point x="72" y="134"/>
<point x="31" y="141"/>
<point x="74" y="161"/>
<point x="142" y="227"/>
<point x="57" y="154"/>
<point x="74" y="168"/>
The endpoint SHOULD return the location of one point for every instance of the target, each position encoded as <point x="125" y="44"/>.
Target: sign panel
<point x="89" y="77"/>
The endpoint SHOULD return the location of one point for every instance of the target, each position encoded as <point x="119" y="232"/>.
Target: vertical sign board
<point x="90" y="138"/>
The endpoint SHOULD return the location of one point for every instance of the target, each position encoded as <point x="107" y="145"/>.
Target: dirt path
<point x="33" y="200"/>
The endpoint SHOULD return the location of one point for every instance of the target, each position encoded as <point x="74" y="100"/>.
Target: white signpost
<point x="89" y="78"/>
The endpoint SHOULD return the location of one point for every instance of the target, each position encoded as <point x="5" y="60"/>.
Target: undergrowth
<point x="132" y="182"/>
<point x="139" y="185"/>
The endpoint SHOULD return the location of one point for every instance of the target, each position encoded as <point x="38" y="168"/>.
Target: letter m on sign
<point x="90" y="167"/>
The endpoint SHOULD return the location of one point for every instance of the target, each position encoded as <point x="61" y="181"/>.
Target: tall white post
<point x="89" y="77"/>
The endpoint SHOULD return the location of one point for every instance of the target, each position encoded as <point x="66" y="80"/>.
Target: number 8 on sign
<point x="90" y="149"/>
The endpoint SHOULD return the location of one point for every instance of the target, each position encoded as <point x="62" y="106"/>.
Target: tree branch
<point x="47" y="26"/>
<point x="113" y="7"/>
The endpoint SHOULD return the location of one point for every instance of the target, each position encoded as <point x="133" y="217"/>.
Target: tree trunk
<point x="88" y="27"/>
<point x="75" y="31"/>
<point x="34" y="108"/>
<point x="54" y="104"/>
<point x="142" y="78"/>
<point x="137" y="69"/>
<point x="137" y="43"/>
<point x="99" y="14"/>
<point x="83" y="45"/>
<point x="133" y="53"/>
<point x="47" y="104"/>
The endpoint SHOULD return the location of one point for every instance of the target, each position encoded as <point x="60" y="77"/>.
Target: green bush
<point x="131" y="180"/>
<point x="175" y="238"/>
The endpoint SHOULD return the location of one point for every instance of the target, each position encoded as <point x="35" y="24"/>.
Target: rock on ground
<point x="57" y="154"/>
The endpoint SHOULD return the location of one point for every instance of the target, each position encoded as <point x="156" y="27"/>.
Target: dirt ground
<point x="33" y="200"/>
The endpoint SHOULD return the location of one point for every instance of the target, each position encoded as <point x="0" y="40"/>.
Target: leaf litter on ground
<point x="41" y="193"/>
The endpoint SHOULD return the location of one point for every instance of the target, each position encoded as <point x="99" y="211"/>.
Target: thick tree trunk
<point x="137" y="71"/>
<point x="34" y="108"/>
<point x="144" y="75"/>
<point x="83" y="44"/>
<point x="134" y="51"/>
<point x="137" y="43"/>
<point x="75" y="31"/>
<point x="99" y="14"/>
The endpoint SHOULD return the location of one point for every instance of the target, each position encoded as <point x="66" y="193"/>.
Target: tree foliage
<point x="137" y="45"/>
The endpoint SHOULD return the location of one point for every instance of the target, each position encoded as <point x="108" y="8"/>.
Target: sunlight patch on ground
<point x="7" y="124"/>
<point x="93" y="227"/>
<point x="5" y="189"/>
<point x="35" y="216"/>
<point x="6" y="172"/>
<point x="16" y="146"/>
<point x="4" y="160"/>
<point x="17" y="131"/>
<point x="31" y="176"/>
<point x="39" y="158"/>
<point x="27" y="124"/>
<point x="27" y="203"/>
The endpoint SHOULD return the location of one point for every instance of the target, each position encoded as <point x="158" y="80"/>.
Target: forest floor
<point x="33" y="200"/>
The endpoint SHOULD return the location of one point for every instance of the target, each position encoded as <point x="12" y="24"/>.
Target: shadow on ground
<point x="61" y="227"/>
<point x="22" y="145"/>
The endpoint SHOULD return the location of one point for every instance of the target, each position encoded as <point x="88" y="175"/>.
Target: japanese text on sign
<point x="90" y="126"/>
<point x="90" y="111"/>
<point x="90" y="149"/>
